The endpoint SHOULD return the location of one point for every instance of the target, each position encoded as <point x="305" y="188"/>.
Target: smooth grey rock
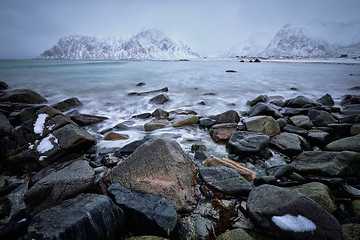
<point x="345" y="144"/>
<point x="160" y="113"/>
<point x="326" y="100"/>
<point x="293" y="129"/>
<point x="260" y="98"/>
<point x="159" y="99"/>
<point x="320" y="118"/>
<point x="230" y="116"/>
<point x="206" y="122"/>
<point x="22" y="96"/>
<point x="355" y="129"/>
<point x="302" y="121"/>
<point x="156" y="124"/>
<point x="350" y="99"/>
<point x="282" y="122"/>
<point x="242" y="142"/>
<point x="67" y="104"/>
<point x="289" y="143"/>
<point x="318" y="138"/>
<point x="264" y="109"/>
<point x="223" y="131"/>
<point x="351" y="109"/>
<point x="300" y="101"/>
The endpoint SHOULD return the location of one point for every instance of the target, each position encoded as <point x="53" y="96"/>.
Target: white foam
<point x="39" y="124"/>
<point x="295" y="224"/>
<point x="45" y="145"/>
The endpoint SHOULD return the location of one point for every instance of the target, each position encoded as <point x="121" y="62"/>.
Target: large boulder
<point x="326" y="100"/>
<point x="58" y="182"/>
<point x="230" y="116"/>
<point x="146" y="213"/>
<point x="5" y="126"/>
<point x="351" y="109"/>
<point x="302" y="121"/>
<point x="300" y="101"/>
<point x="289" y="143"/>
<point x="318" y="138"/>
<point x="67" y="104"/>
<point x="294" y="129"/>
<point x="22" y="96"/>
<point x="264" y="109"/>
<point x="223" y="131"/>
<point x="320" y="118"/>
<point x="160" y="167"/>
<point x="265" y="124"/>
<point x="87" y="216"/>
<point x="347" y="144"/>
<point x="242" y="142"/>
<point x="286" y="214"/>
<point x="329" y="164"/>
<point x="350" y="99"/>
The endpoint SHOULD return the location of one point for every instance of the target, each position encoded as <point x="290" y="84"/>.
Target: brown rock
<point x="264" y="124"/>
<point x="222" y="131"/>
<point x="112" y="136"/>
<point x="186" y="121"/>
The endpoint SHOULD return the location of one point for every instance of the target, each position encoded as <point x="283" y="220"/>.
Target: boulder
<point x="289" y="143"/>
<point x="87" y="216"/>
<point x="318" y="138"/>
<point x="86" y="119"/>
<point x="190" y="120"/>
<point x="293" y="129"/>
<point x="350" y="99"/>
<point x="294" y="111"/>
<point x="355" y="208"/>
<point x="3" y="86"/>
<point x="113" y="136"/>
<point x="156" y="124"/>
<point x="302" y="121"/>
<point x="146" y="213"/>
<point x="67" y="104"/>
<point x="282" y="122"/>
<point x="278" y="102"/>
<point x="328" y="164"/>
<point x="223" y="131"/>
<point x="165" y="89"/>
<point x="58" y="182"/>
<point x="159" y="99"/>
<point x="287" y="214"/>
<point x="351" y="231"/>
<point x="300" y="101"/>
<point x="345" y="144"/>
<point x="264" y="109"/>
<point x="320" y="118"/>
<point x="160" y="167"/>
<point x="350" y="118"/>
<point x="355" y="129"/>
<point x="230" y="116"/>
<point x="5" y="126"/>
<point x="264" y="124"/>
<point x="260" y="98"/>
<point x="206" y="122"/>
<point x="131" y="147"/>
<point x="326" y="100"/>
<point x="160" y="113"/>
<point x="248" y="174"/>
<point x="225" y="180"/>
<point x="110" y="160"/>
<point x="22" y="96"/>
<point x="242" y="142"/>
<point x="351" y="109"/>
<point x="318" y="192"/>
<point x="235" y="234"/>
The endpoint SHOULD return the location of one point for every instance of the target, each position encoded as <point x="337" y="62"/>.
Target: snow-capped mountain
<point x="149" y="44"/>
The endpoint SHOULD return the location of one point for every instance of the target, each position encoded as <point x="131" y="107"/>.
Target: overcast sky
<point x="27" y="28"/>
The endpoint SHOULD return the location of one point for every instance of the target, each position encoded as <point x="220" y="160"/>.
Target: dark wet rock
<point x="131" y="147"/>
<point x="220" y="132"/>
<point x="140" y="84"/>
<point x="147" y="237"/>
<point x="355" y="208"/>
<point x="225" y="180"/>
<point x="16" y="228"/>
<point x="289" y="143"/>
<point x="110" y="160"/>
<point x="351" y="231"/>
<point x="121" y="127"/>
<point x="269" y="213"/>
<point x="318" y="192"/>
<point x="160" y="167"/>
<point x="67" y="104"/>
<point x="159" y="99"/>
<point x="183" y="112"/>
<point x="280" y="171"/>
<point x="235" y="234"/>
<point x="113" y="136"/>
<point x="318" y="138"/>
<point x="264" y="124"/>
<point x="87" y="216"/>
<point x="3" y="86"/>
<point x="209" y="94"/>
<point x="5" y="126"/>
<point x="282" y="122"/>
<point x="355" y="129"/>
<point x="326" y="100"/>
<point x="345" y="144"/>
<point x="142" y="116"/>
<point x="31" y="112"/>
<point x="320" y="118"/>
<point x="294" y="111"/>
<point x="350" y="99"/>
<point x="185" y="121"/>
<point x="230" y="116"/>
<point x="342" y="129"/>
<point x="156" y="124"/>
<point x="293" y="129"/>
<point x="278" y="102"/>
<point x="165" y="89"/>
<point x="5" y="207"/>
<point x="260" y="98"/>
<point x="355" y="118"/>
<point x="328" y="164"/>
<point x="233" y="71"/>
<point x="242" y="142"/>
<point x="146" y="213"/>
<point x="86" y="119"/>
<point x="206" y="122"/>
<point x="198" y="148"/>
<point x="160" y="113"/>
<point x="302" y="121"/>
<point x="22" y="96"/>
<point x="257" y="60"/>
<point x="199" y="155"/>
<point x="264" y="109"/>
<point x="351" y="109"/>
<point x="300" y="101"/>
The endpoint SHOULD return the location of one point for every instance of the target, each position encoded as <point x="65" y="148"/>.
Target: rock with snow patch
<point x="22" y="96"/>
<point x="230" y="116"/>
<point x="242" y="142"/>
<point x="67" y="104"/>
<point x="264" y="124"/>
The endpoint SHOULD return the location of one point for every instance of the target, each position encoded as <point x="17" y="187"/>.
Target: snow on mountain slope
<point x="149" y="44"/>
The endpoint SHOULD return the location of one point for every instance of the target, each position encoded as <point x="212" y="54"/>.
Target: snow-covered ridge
<point x="151" y="44"/>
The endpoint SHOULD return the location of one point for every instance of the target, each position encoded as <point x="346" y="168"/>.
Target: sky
<point x="27" y="28"/>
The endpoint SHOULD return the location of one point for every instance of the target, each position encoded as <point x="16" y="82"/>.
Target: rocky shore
<point x="292" y="172"/>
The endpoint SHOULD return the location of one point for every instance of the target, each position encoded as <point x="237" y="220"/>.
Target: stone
<point x="198" y="148"/>
<point x="147" y="238"/>
<point x="347" y="144"/>
<point x="351" y="231"/>
<point x="5" y="126"/>
<point x="113" y="136"/>
<point x="242" y="142"/>
<point x="230" y="116"/>
<point x="293" y="129"/>
<point x="142" y="116"/>
<point x="289" y="143"/>
<point x="160" y="167"/>
<point x="282" y="122"/>
<point x="5" y="207"/>
<point x="206" y="122"/>
<point x="318" y="192"/>
<point x="225" y="180"/>
<point x="165" y="89"/>
<point x="279" y="213"/>
<point x="350" y="118"/>
<point x="264" y="109"/>
<point x="350" y="99"/>
<point x="159" y="99"/>
<point x="146" y="213"/>
<point x="86" y="119"/>
<point x="278" y="102"/>
<point x="318" y="138"/>
<point x="67" y="104"/>
<point x="328" y="164"/>
<point x="294" y="111"/>
<point x="140" y="84"/>
<point x="186" y="121"/>
<point x="160" y="113"/>
<point x="87" y="216"/>
<point x="302" y="121"/>
<point x="3" y="86"/>
<point x="264" y="124"/>
<point x="223" y="131"/>
<point x="248" y="174"/>
<point x="110" y="160"/>
<point x="300" y="101"/>
<point x="183" y="112"/>
<point x="260" y="98"/>
<point x="62" y="182"/>
<point x="235" y="234"/>
<point x="326" y="100"/>
<point x="355" y="208"/>
<point x="320" y="118"/>
<point x="351" y="109"/>
<point x="22" y="96"/>
<point x="355" y="129"/>
<point x="131" y="147"/>
<point x="156" y="124"/>
<point x="230" y="70"/>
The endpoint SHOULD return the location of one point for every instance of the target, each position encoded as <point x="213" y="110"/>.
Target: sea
<point x="203" y="86"/>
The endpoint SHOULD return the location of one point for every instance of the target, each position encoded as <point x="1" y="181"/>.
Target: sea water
<point x="103" y="87"/>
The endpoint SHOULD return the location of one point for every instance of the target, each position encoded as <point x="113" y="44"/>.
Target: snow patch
<point x="45" y="145"/>
<point x="39" y="124"/>
<point x="50" y="128"/>
<point x="295" y="224"/>
<point x="22" y="220"/>
<point x="41" y="158"/>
